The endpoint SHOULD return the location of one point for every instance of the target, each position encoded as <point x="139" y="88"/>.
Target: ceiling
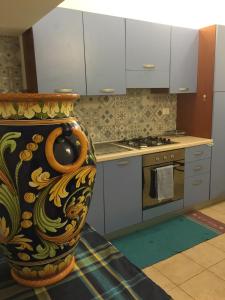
<point x="18" y="15"/>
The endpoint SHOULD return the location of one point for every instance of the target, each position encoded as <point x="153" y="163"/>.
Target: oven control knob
<point x="164" y="157"/>
<point x="172" y="156"/>
<point x="157" y="158"/>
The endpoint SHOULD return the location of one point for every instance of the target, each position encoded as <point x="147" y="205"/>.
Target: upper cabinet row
<point x="97" y="54"/>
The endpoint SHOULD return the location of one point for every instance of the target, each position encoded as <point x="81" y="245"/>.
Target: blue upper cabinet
<point x="104" y="39"/>
<point x="147" y="54"/>
<point x="184" y="60"/>
<point x="219" y="72"/>
<point x="59" y="51"/>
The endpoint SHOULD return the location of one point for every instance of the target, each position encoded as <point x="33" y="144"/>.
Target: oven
<point x="151" y="163"/>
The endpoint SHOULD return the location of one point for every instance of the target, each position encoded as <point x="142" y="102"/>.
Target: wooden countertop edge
<point x="182" y="142"/>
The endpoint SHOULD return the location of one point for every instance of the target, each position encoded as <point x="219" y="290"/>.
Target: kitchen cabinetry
<point x="219" y="71"/>
<point x="147" y="54"/>
<point x="184" y="60"/>
<point x="59" y="51"/>
<point x="96" y="210"/>
<point x="104" y="39"/>
<point x="197" y="175"/>
<point x="122" y="193"/>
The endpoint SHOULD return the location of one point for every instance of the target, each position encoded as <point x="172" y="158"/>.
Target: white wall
<point x="187" y="13"/>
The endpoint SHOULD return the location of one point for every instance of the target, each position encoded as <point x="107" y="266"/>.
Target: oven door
<point x="150" y="188"/>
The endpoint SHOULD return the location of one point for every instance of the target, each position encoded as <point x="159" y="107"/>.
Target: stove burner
<point x="145" y="142"/>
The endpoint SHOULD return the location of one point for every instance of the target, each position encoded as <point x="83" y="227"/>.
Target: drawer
<point x="198" y="152"/>
<point x="162" y="210"/>
<point x="196" y="189"/>
<point x="197" y="167"/>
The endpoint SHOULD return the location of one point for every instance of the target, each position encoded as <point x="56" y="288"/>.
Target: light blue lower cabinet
<point x="122" y="193"/>
<point x="96" y="210"/>
<point x="196" y="189"/>
<point x="161" y="210"/>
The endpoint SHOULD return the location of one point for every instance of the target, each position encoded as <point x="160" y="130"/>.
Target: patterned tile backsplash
<point x="107" y="118"/>
<point x="10" y="64"/>
<point x="138" y="113"/>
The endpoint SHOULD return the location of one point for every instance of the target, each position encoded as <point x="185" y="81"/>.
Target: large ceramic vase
<point x="47" y="172"/>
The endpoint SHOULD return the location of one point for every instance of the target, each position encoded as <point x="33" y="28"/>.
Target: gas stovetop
<point x="144" y="142"/>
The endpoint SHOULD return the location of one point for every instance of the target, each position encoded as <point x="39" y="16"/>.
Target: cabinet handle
<point x="63" y="90"/>
<point x="183" y="89"/>
<point x="149" y="66"/>
<point x="123" y="163"/>
<point x="197" y="168"/>
<point x="107" y="90"/>
<point x="197" y="182"/>
<point x="198" y="153"/>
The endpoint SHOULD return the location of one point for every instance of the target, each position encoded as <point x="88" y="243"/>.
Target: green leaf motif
<point x="47" y="250"/>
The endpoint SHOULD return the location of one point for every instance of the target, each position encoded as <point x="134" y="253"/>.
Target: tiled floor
<point x="197" y="273"/>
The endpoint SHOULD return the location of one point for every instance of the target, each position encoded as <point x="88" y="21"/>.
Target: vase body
<point x="47" y="172"/>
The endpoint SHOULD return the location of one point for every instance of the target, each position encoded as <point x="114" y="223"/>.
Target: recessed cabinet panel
<point x="148" y="52"/>
<point x="96" y="210"/>
<point x="59" y="51"/>
<point x="184" y="60"/>
<point x="122" y="193"/>
<point x="104" y="38"/>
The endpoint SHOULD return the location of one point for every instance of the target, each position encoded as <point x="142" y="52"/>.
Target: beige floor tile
<point x="219" y="216"/>
<point x="219" y="269"/>
<point x="178" y="268"/>
<point x="218" y="242"/>
<point x="159" y="278"/>
<point x="205" y="254"/>
<point x="205" y="286"/>
<point x="220" y="207"/>
<point x="179" y="294"/>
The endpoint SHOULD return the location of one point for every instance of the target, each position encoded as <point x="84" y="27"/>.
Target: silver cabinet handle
<point x="107" y="90"/>
<point x="197" y="168"/>
<point x="63" y="90"/>
<point x="149" y="66"/>
<point x="197" y="182"/>
<point x="123" y="163"/>
<point x="198" y="153"/>
<point x="183" y="89"/>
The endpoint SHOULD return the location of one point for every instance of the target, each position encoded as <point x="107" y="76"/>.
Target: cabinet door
<point x="184" y="60"/>
<point x="147" y="54"/>
<point x="217" y="187"/>
<point x="104" y="38"/>
<point x="122" y="193"/>
<point x="219" y="71"/>
<point x="59" y="51"/>
<point x="96" y="210"/>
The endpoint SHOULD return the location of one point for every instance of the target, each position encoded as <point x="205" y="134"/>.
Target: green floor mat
<point x="149" y="246"/>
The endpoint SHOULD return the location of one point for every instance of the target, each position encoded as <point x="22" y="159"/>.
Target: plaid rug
<point x="101" y="272"/>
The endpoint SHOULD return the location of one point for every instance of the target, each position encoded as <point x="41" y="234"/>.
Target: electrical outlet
<point x="165" y="111"/>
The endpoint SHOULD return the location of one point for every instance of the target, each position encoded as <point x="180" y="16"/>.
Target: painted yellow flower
<point x="25" y="155"/>
<point x="26" y="224"/>
<point x="40" y="179"/>
<point x="7" y="110"/>
<point x="48" y="271"/>
<point x="28" y="109"/>
<point x="67" y="108"/>
<point x="32" y="146"/>
<point x="37" y="138"/>
<point x="23" y="256"/>
<point x="4" y="230"/>
<point x="29" y="197"/>
<point x="28" y="273"/>
<point x="51" y="108"/>
<point x="73" y="211"/>
<point x="26" y="215"/>
<point x="22" y="241"/>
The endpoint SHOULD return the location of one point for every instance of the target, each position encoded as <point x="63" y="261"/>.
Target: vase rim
<point x="33" y="97"/>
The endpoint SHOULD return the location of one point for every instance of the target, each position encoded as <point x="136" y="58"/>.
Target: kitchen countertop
<point x="181" y="142"/>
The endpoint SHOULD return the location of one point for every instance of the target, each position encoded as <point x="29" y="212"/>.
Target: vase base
<point x="46" y="281"/>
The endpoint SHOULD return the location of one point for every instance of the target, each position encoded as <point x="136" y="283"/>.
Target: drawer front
<point x="162" y="210"/>
<point x="196" y="189"/>
<point x="198" y="152"/>
<point x="197" y="167"/>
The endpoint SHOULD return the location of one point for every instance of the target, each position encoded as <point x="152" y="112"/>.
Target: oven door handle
<point x="174" y="166"/>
